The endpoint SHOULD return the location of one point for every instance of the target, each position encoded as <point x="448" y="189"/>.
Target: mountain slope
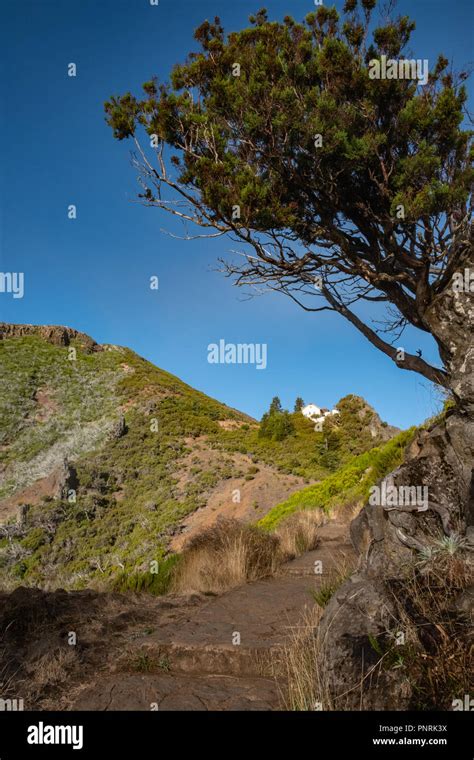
<point x="104" y="456"/>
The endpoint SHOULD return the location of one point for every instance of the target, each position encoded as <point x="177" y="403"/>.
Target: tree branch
<point x="409" y="361"/>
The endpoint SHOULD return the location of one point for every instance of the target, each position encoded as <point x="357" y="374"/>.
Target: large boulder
<point x="361" y="619"/>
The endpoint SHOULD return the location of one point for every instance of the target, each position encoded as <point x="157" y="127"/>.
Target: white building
<point x="311" y="411"/>
<point x="316" y="414"/>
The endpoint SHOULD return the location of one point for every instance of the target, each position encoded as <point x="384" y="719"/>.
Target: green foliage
<point x="34" y="539"/>
<point x="349" y="484"/>
<point x="306" y="452"/>
<point x="325" y="593"/>
<point x="298" y="80"/>
<point x="275" y="406"/>
<point x="276" y="425"/>
<point x="128" y="498"/>
<point x="359" y="182"/>
<point x="299" y="404"/>
<point x="153" y="583"/>
<point x="111" y="525"/>
<point x="79" y="394"/>
<point x="142" y="662"/>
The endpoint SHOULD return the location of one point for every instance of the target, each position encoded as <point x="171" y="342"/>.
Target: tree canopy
<point x="338" y="188"/>
<point x="276" y="424"/>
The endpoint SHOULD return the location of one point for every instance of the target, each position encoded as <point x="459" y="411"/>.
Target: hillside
<point x="107" y="461"/>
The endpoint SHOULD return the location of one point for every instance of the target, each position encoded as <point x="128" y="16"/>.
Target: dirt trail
<point x="140" y="652"/>
<point x="214" y="654"/>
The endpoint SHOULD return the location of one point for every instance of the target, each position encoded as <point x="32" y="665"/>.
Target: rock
<point x="470" y="537"/>
<point x="403" y="520"/>
<point x="23" y="510"/>
<point x="360" y="533"/>
<point x="464" y="604"/>
<point x="55" y="334"/>
<point x="119" y="429"/>
<point x="387" y="540"/>
<point x="354" y="631"/>
<point x="66" y="480"/>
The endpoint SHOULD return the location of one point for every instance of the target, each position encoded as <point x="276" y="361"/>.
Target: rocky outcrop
<point x="388" y="539"/>
<point x="355" y="628"/>
<point x="391" y="536"/>
<point x="65" y="480"/>
<point x="119" y="429"/>
<point x="55" y="334"/>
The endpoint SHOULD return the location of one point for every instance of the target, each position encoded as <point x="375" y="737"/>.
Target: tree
<point x="345" y="192"/>
<point x="275" y="406"/>
<point x="343" y="189"/>
<point x="299" y="404"/>
<point x="276" y="425"/>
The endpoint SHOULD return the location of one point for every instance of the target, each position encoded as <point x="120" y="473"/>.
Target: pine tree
<point x="275" y="406"/>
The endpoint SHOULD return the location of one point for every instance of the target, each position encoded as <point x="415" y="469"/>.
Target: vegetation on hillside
<point x="304" y="451"/>
<point x="134" y="488"/>
<point x="349" y="485"/>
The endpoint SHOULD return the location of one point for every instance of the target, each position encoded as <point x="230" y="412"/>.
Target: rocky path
<point x="220" y="653"/>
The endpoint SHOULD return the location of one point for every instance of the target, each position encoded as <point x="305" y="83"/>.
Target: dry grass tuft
<point x="342" y="570"/>
<point x="52" y="669"/>
<point x="230" y="553"/>
<point x="226" y="555"/>
<point x="440" y="658"/>
<point x="301" y="663"/>
<point x="299" y="533"/>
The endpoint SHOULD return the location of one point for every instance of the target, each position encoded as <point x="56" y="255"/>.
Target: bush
<point x="226" y="555"/>
<point x="276" y="426"/>
<point x="154" y="583"/>
<point x="349" y="484"/>
<point x="35" y="538"/>
<point x="299" y="534"/>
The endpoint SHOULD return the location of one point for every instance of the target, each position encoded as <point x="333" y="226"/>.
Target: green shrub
<point x="351" y="483"/>
<point x="153" y="583"/>
<point x="34" y="539"/>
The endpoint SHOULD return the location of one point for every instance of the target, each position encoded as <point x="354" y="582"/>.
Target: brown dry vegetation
<point x="299" y="533"/>
<point x="302" y="664"/>
<point x="438" y="653"/>
<point x="435" y="657"/>
<point x="231" y="553"/>
<point x="226" y="555"/>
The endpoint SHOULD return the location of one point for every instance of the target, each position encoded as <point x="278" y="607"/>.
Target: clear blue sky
<point x="93" y="273"/>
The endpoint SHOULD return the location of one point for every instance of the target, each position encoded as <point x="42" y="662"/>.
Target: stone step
<point x="166" y="691"/>
<point x="321" y="563"/>
<point x="241" y="632"/>
<point x="198" y="659"/>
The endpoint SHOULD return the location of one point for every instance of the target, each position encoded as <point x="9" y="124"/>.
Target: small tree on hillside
<point x="276" y="426"/>
<point x="275" y="406"/>
<point x="299" y="404"/>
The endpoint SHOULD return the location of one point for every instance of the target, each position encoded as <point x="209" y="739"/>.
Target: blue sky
<point x="93" y="273"/>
